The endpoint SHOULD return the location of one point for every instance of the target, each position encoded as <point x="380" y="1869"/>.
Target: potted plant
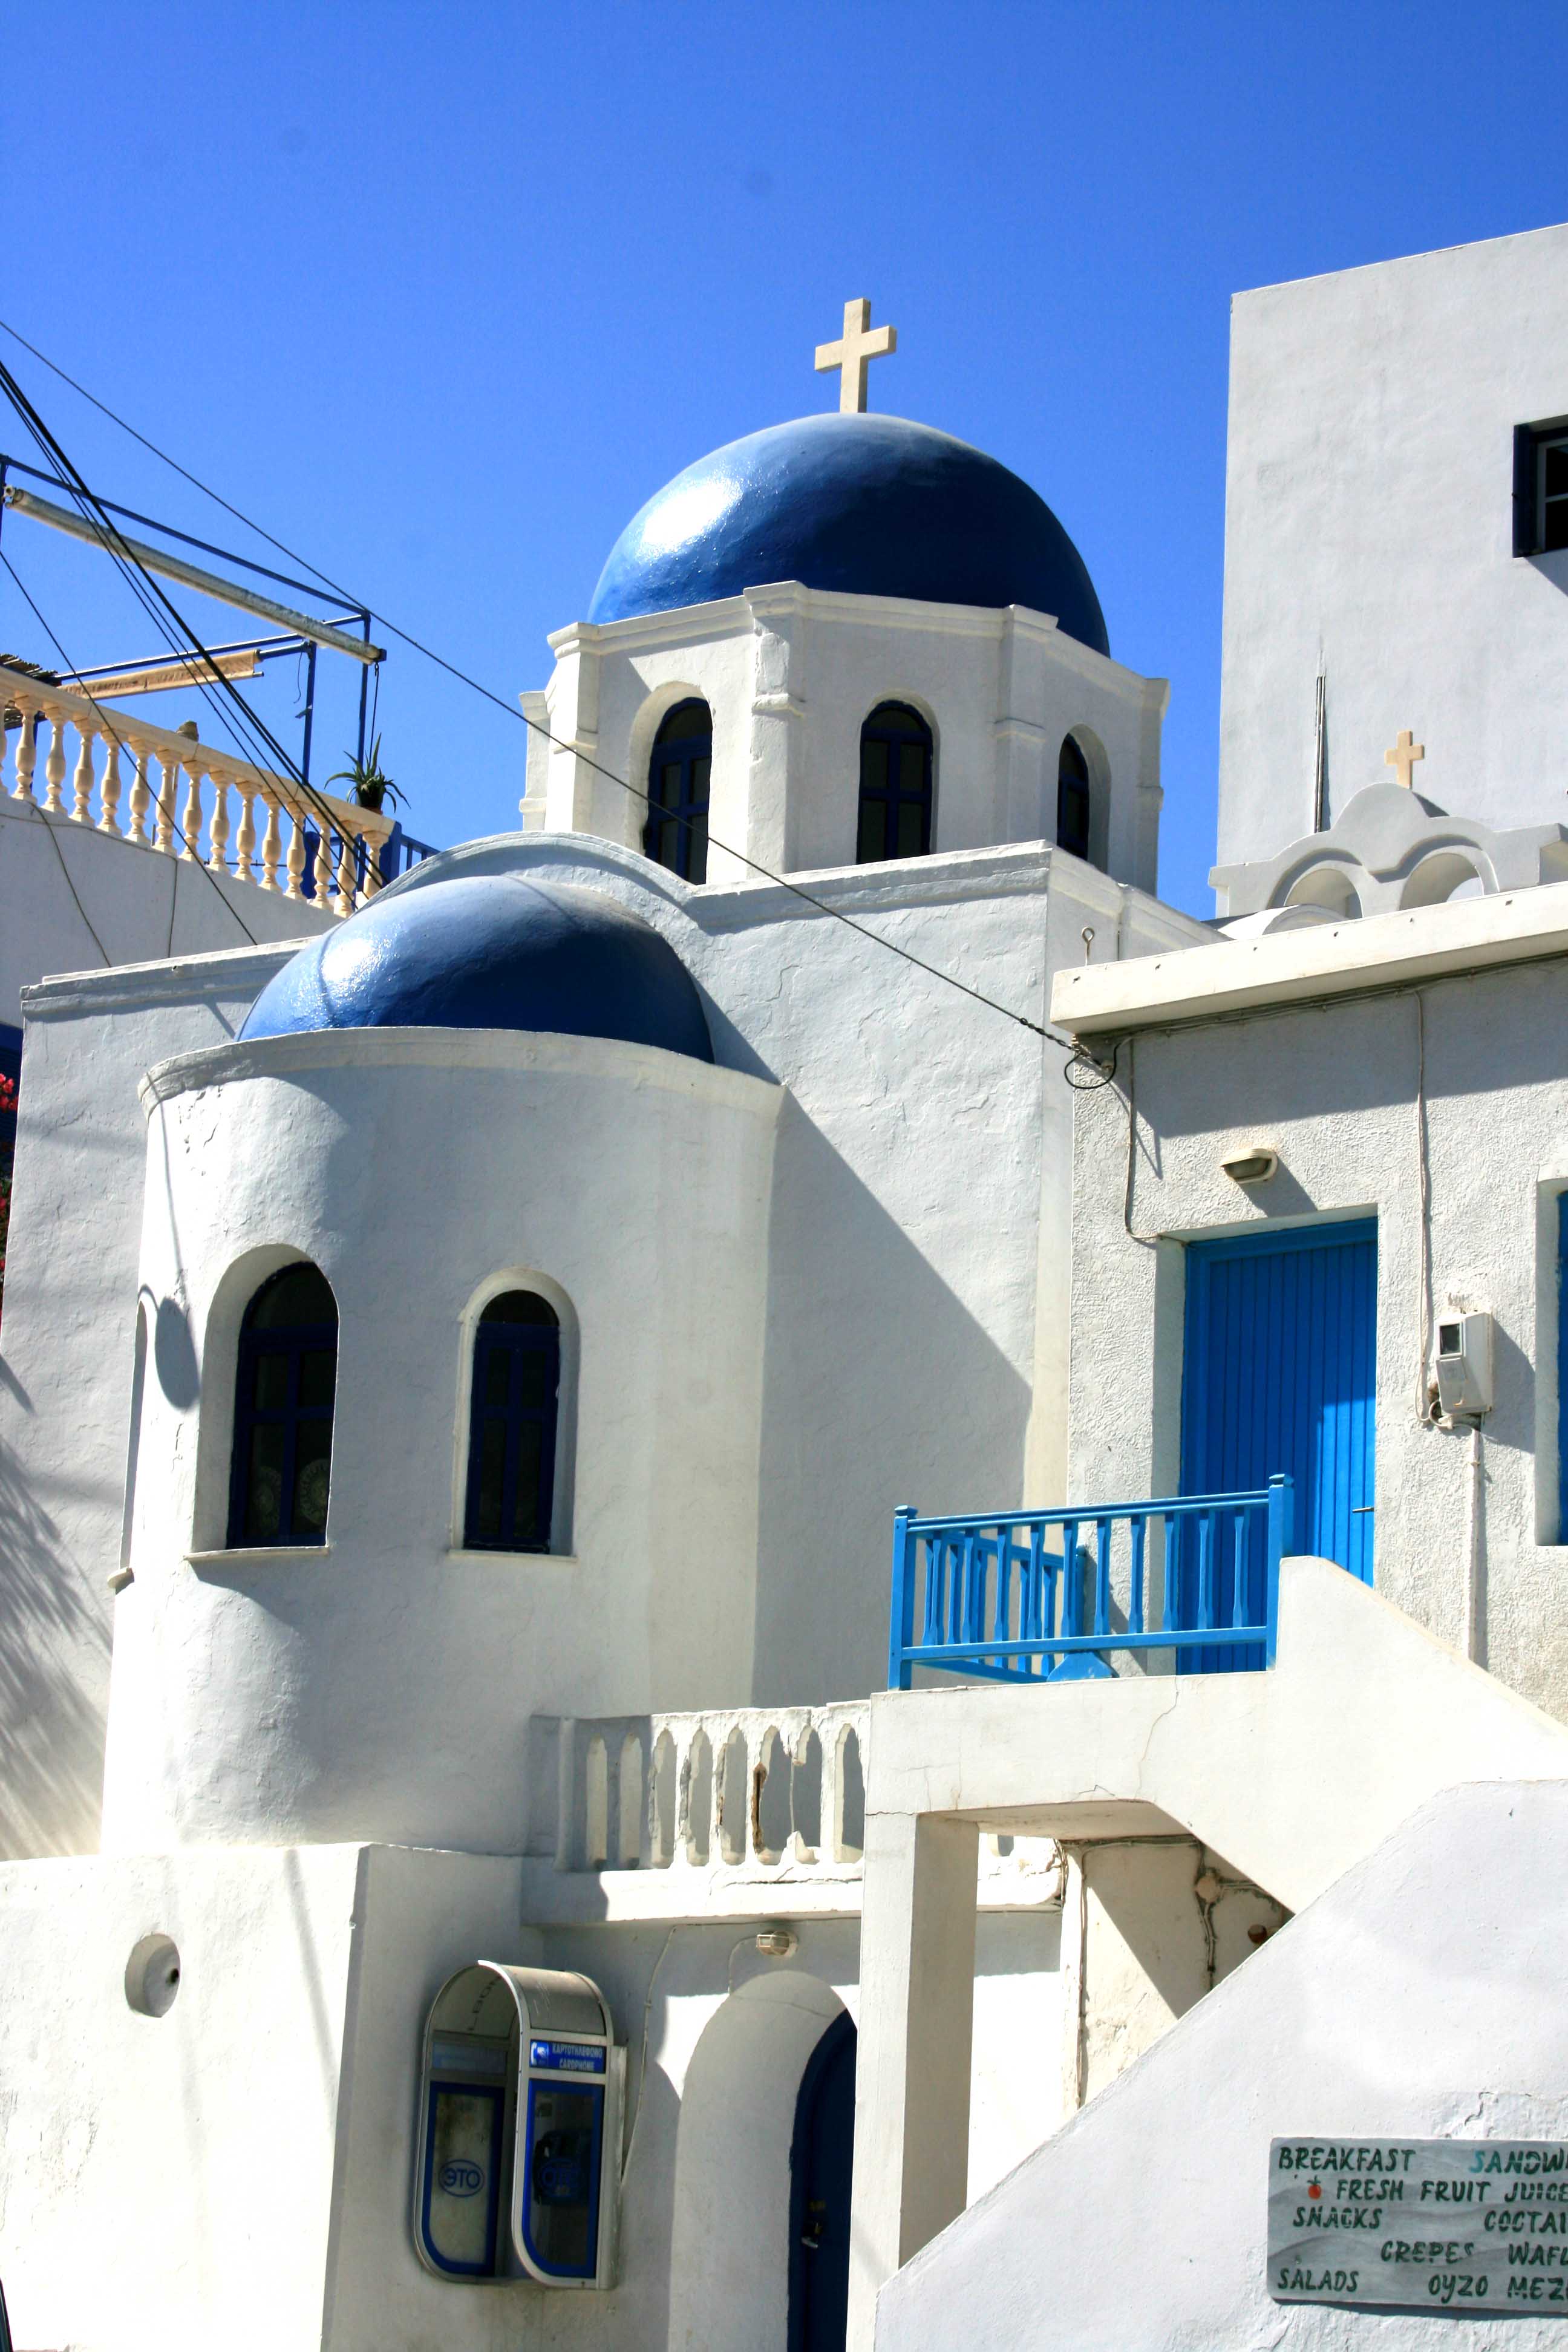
<point x="368" y="786"/>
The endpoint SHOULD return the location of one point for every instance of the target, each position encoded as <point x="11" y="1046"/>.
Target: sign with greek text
<point x="1424" y="2224"/>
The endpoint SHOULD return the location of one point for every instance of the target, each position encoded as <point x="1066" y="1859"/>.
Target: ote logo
<point x="462" y="2177"/>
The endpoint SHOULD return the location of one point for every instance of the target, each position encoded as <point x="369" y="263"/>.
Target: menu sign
<point x="1436" y="2224"/>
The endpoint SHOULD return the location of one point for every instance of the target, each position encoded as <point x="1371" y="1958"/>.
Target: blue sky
<point x="441" y="294"/>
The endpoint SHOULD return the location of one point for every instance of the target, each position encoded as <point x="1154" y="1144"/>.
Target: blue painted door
<point x="1279" y="1373"/>
<point x="821" y="2169"/>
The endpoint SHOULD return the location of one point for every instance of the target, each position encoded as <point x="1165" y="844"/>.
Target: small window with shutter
<point x="1541" y="487"/>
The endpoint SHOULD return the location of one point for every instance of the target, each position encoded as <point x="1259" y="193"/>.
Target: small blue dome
<point x="491" y="951"/>
<point x="873" y="506"/>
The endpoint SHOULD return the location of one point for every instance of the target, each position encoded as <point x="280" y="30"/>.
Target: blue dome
<point x="870" y="505"/>
<point x="491" y="951"/>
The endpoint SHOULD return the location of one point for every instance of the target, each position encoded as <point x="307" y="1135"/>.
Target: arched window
<point x="511" y="1428"/>
<point x="1072" y="798"/>
<point x="895" y="785"/>
<point x="676" y="834"/>
<point x="288" y="1377"/>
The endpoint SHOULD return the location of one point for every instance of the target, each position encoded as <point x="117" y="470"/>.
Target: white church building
<point x="703" y="1515"/>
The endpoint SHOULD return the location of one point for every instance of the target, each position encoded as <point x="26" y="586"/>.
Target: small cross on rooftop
<point x="1402" y="756"/>
<point x="859" y="343"/>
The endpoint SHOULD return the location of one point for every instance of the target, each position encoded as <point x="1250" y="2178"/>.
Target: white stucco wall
<point x="916" y="1342"/>
<point x="67" y="1360"/>
<point x="1334" y="1089"/>
<point x="379" y="1687"/>
<point x="1369" y="534"/>
<point x="1387" y="2010"/>
<point x="791" y="674"/>
<point x="140" y="903"/>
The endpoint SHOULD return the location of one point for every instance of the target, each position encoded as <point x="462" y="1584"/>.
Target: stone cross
<point x="1403" y="756"/>
<point x="859" y="343"/>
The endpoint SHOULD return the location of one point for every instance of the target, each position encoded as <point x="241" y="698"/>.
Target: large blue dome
<point x="491" y="951"/>
<point x="870" y="505"/>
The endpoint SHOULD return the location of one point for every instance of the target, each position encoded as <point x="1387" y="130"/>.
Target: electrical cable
<point x="163" y="807"/>
<point x="254" y="729"/>
<point x="752" y="865"/>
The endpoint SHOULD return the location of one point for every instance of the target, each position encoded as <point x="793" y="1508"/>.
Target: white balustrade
<point x="775" y="1790"/>
<point x="348" y="837"/>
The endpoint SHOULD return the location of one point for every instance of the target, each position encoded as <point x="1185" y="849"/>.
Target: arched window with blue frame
<point x="676" y="833"/>
<point x="895" y="785"/>
<point x="513" y="1425"/>
<point x="1074" y="799"/>
<point x="284" y="1395"/>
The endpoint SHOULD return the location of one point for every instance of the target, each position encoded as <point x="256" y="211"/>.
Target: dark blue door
<point x="821" y="2167"/>
<point x="1279" y="1373"/>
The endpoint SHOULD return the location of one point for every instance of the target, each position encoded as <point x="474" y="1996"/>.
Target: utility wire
<point x="753" y="865"/>
<point x="165" y="807"/>
<point x="156" y="603"/>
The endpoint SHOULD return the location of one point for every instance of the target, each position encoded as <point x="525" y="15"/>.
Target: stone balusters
<point x="345" y="871"/>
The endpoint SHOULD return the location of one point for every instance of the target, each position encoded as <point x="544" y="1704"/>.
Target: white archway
<point x="729" y="2256"/>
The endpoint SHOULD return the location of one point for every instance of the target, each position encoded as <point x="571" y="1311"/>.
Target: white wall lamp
<point x="1253" y="1165"/>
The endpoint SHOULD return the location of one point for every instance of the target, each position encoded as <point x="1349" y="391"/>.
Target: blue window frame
<point x="285" y="1388"/>
<point x="1072" y="799"/>
<point x="464" y="2127"/>
<point x="513" y="1425"/>
<point x="676" y="833"/>
<point x="1280" y="1373"/>
<point x="895" y="785"/>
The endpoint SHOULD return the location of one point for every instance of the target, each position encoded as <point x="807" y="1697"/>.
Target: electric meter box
<point x="1465" y="1364"/>
<point x="520" y="2130"/>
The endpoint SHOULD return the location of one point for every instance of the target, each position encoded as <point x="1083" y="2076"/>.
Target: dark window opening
<point x="1540" y="488"/>
<point x="284" y="1395"/>
<point x="895" y="785"/>
<point x="1072" y="799"/>
<point x="676" y="833"/>
<point x="513" y="1425"/>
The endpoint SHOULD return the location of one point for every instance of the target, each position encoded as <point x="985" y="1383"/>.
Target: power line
<point x="254" y="733"/>
<point x="511" y="709"/>
<point x="165" y="807"/>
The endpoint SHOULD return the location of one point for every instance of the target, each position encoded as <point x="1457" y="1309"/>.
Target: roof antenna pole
<point x="309" y="714"/>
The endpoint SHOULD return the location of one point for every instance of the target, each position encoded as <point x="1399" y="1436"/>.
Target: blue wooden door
<point x="1279" y="1373"/>
<point x="821" y="2168"/>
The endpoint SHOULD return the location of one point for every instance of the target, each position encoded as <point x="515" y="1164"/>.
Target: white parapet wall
<point x="1420" y="1997"/>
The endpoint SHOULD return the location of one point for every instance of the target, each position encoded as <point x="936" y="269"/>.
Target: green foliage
<point x="365" y="781"/>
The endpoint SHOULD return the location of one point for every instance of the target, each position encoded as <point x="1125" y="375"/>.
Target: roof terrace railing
<point x="998" y="1599"/>
<point x="302" y="844"/>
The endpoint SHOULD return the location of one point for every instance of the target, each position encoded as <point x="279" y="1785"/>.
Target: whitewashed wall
<point x="141" y="903"/>
<point x="1369" y="533"/>
<point x="1333" y="1088"/>
<point x="1410" y="2015"/>
<point x="377" y="1686"/>
<point x="916" y="1342"/>
<point x="791" y="674"/>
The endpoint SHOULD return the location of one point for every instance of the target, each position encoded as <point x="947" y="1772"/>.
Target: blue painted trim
<point x="992" y="1598"/>
<point x="1563" y="1368"/>
<point x="575" y="2085"/>
<point x="869" y="506"/>
<point x="1332" y="1232"/>
<point x="517" y="1343"/>
<point x="675" y="833"/>
<point x="487" y="2268"/>
<point x="491" y="951"/>
<point x="890" y="799"/>
<point x="1291" y="1296"/>
<point x="292" y="1343"/>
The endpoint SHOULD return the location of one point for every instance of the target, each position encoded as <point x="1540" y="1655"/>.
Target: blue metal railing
<point x="398" y="853"/>
<point x="993" y="1601"/>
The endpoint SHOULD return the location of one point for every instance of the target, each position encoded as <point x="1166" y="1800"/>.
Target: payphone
<point x="519" y="2129"/>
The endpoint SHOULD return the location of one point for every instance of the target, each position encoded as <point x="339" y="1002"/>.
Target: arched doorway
<point x="822" y="2159"/>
